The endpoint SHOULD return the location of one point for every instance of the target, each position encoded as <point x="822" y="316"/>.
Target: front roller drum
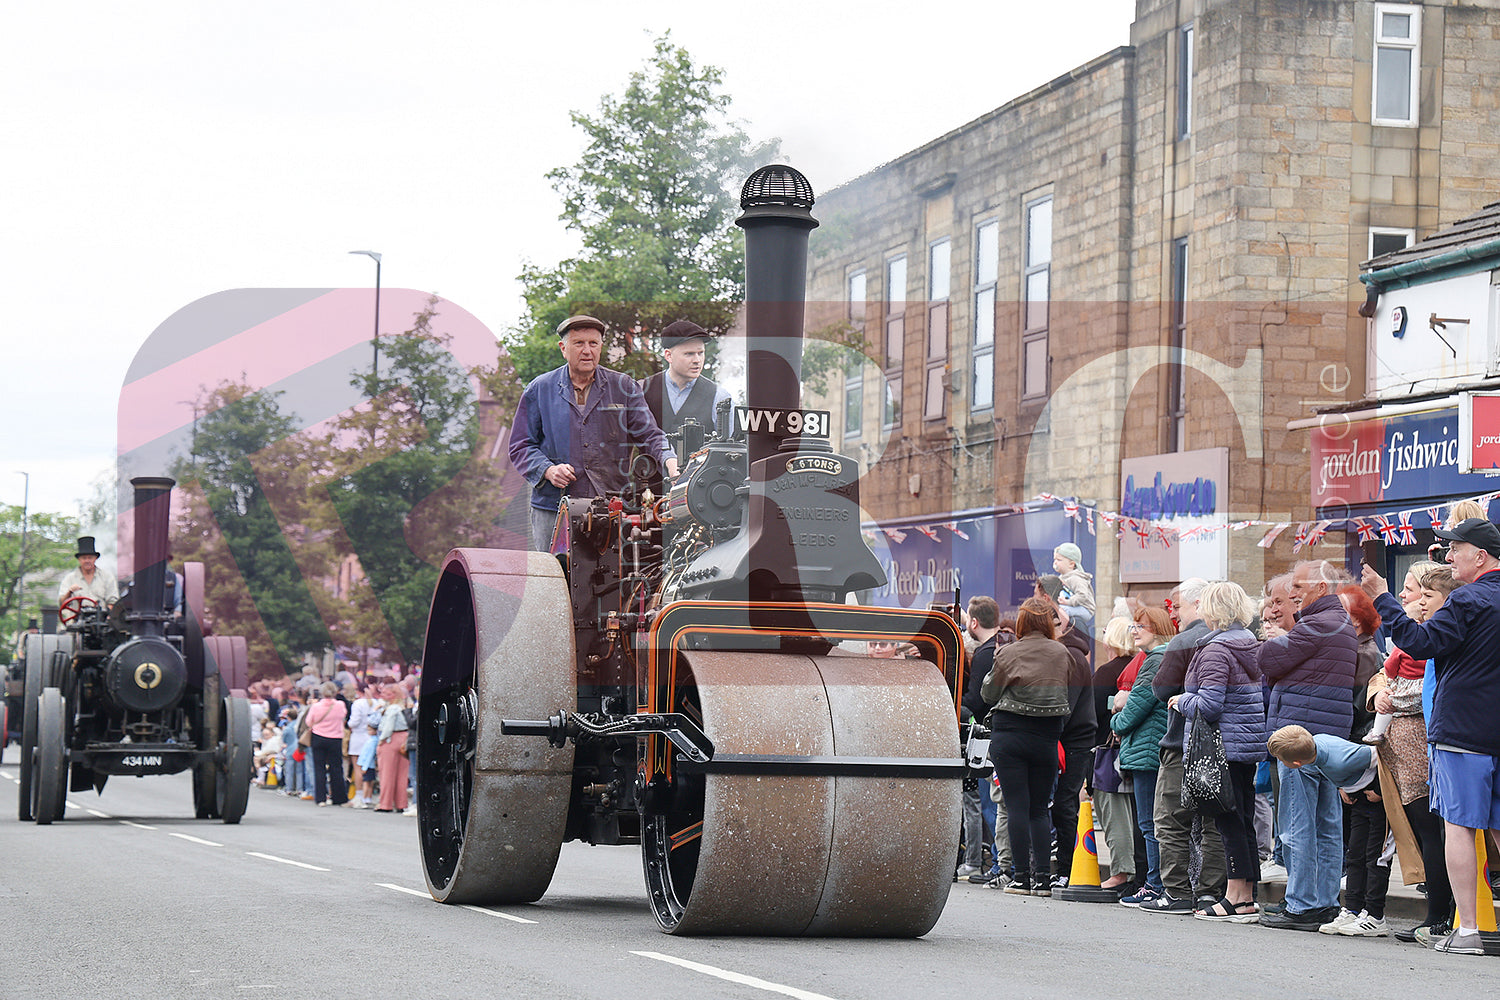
<point x="813" y="854"/>
<point x="492" y="809"/>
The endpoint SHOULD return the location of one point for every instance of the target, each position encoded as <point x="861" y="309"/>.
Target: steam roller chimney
<point x="153" y="506"/>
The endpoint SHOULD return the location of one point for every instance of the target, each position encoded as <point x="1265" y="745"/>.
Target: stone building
<point x="1152" y="263"/>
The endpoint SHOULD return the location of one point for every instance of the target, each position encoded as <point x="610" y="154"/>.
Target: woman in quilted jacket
<point x="1223" y="687"/>
<point x="1141" y="720"/>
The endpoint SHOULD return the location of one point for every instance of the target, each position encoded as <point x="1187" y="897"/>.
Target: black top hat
<point x="32" y="626"/>
<point x="86" y="546"/>
<point x="1477" y="531"/>
<point x="680" y="331"/>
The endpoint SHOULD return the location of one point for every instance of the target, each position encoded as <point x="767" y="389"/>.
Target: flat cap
<point x="682" y="330"/>
<point x="579" y="320"/>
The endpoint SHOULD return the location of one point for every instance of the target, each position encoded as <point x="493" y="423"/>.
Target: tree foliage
<point x="242" y="510"/>
<point x="405" y="488"/>
<point x="653" y="198"/>
<point x="28" y="573"/>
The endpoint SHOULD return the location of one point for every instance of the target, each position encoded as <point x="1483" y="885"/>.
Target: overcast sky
<point x="157" y="153"/>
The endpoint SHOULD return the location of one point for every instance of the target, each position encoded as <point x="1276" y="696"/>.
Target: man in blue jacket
<point x="1461" y="639"/>
<point x="1311" y="673"/>
<point x="576" y="427"/>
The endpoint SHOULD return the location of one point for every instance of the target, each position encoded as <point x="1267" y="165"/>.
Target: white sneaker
<point x="1270" y="871"/>
<point x="1365" y="926"/>
<point x="1338" y="923"/>
<point x="964" y="871"/>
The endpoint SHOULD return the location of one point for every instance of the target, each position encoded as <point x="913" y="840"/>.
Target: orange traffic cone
<point x="1083" y="880"/>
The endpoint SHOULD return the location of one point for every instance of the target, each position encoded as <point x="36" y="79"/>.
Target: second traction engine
<point x="671" y="677"/>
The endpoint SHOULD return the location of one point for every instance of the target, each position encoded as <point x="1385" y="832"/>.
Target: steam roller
<point x="673" y="674"/>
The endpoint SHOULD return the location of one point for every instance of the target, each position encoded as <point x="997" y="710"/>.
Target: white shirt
<point x="102" y="588"/>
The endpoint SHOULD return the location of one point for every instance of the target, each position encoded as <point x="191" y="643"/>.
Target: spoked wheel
<point x="51" y="778"/>
<point x="492" y="809"/>
<point x="232" y="787"/>
<point x="808" y="854"/>
<point x="39" y="651"/>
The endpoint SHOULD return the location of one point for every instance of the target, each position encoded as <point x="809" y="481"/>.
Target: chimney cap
<point x="777" y="185"/>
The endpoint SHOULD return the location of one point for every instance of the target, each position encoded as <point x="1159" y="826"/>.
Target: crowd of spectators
<point x="1357" y="727"/>
<point x="337" y="742"/>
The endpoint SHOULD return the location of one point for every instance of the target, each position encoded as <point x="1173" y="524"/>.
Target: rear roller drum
<point x="492" y="809"/>
<point x="809" y="854"/>
<point x="51" y="779"/>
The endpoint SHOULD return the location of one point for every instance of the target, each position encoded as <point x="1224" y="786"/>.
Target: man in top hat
<point x="576" y="427"/>
<point x="681" y="391"/>
<point x="88" y="579"/>
<point x="1460" y="638"/>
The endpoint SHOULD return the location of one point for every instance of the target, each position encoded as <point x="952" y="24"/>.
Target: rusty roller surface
<point x="492" y="808"/>
<point x="817" y="854"/>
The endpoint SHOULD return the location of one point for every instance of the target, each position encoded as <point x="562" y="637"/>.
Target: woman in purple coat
<point x="1223" y="687"/>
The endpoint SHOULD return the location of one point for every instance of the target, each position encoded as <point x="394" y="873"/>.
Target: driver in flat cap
<point x="681" y="391"/>
<point x="576" y="427"/>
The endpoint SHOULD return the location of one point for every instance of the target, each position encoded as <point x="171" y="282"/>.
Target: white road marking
<point x="476" y="909"/>
<point x="286" y="861"/>
<point x="101" y="815"/>
<point x="402" y="888"/>
<point x="733" y="977"/>
<point x="138" y="826"/>
<point x="497" y="913"/>
<point x="196" y="840"/>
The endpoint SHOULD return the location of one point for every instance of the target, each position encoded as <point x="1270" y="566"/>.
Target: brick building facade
<point x="1156" y="253"/>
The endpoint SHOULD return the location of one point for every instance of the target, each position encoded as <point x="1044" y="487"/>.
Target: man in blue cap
<point x="576" y="427"/>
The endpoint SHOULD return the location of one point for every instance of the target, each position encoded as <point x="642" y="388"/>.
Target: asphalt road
<point x="131" y="897"/>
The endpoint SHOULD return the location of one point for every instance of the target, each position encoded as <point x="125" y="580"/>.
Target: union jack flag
<point x="1125" y="525"/>
<point x="1406" y="534"/>
<point x="1300" y="538"/>
<point x="953" y="527"/>
<point x="1386" y="528"/>
<point x="1435" y="515"/>
<point x="1318" y="531"/>
<point x="930" y="531"/>
<point x="1165" y="534"/>
<point x="895" y="534"/>
<point x="1070" y="508"/>
<point x="1365" y="528"/>
<point x="1089" y="520"/>
<point x="1045" y="497"/>
<point x="1142" y="533"/>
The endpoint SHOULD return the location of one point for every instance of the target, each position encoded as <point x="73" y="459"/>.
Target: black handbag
<point x="1106" y="777"/>
<point x="1206" y="787"/>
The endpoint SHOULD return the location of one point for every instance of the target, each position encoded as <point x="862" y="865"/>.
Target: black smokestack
<point x="777" y="219"/>
<point x="153" y="507"/>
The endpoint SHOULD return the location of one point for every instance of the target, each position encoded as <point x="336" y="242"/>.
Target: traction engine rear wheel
<point x="492" y="809"/>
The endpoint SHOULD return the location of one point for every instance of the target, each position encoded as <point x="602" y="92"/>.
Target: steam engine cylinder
<point x="145" y="675"/>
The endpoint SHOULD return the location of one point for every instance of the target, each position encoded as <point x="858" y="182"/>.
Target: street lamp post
<point x="21" y="560"/>
<point x="375" y="363"/>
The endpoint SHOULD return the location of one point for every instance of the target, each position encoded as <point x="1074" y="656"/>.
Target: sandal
<point x="1234" y="913"/>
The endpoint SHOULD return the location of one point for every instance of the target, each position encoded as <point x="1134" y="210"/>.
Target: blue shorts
<point x="1465" y="788"/>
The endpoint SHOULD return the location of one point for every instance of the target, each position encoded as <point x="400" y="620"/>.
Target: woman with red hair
<point x="1027" y="691"/>
<point x="1366" y="623"/>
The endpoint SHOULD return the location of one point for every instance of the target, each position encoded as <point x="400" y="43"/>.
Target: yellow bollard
<point x="1486" y="899"/>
